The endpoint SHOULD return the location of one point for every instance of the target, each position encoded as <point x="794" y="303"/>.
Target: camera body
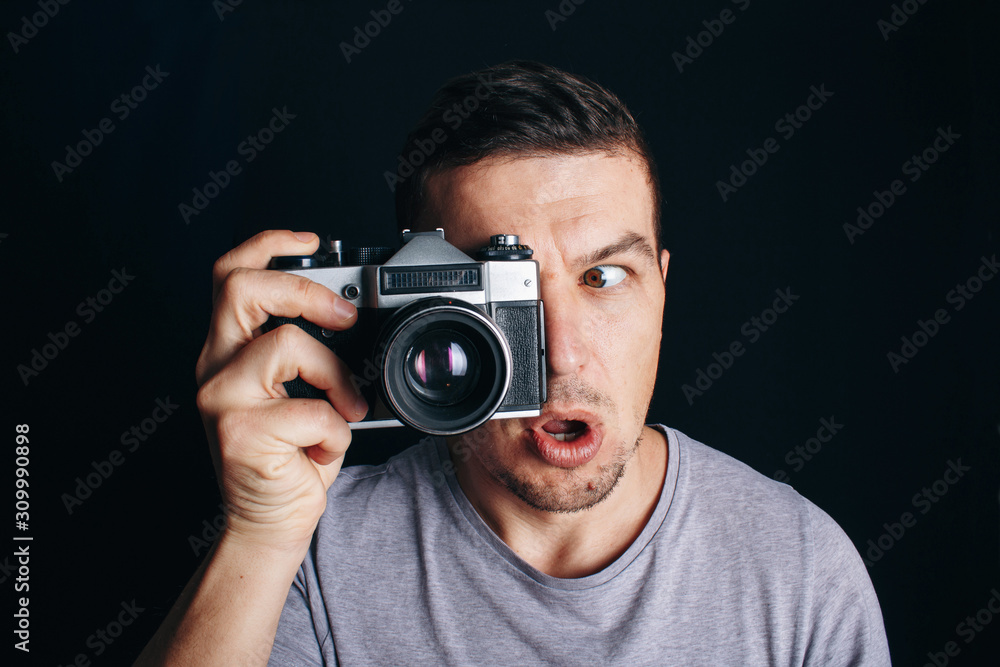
<point x="443" y="342"/>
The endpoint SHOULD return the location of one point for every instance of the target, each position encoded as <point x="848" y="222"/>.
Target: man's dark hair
<point x="516" y="109"/>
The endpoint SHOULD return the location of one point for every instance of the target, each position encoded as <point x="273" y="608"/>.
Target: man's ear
<point x="664" y="261"/>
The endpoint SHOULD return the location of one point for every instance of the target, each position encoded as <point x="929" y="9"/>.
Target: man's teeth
<point x="566" y="437"/>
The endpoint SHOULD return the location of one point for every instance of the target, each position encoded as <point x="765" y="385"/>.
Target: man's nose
<point x="567" y="333"/>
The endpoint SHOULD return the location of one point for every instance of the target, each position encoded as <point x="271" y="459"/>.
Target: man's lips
<point x="566" y="439"/>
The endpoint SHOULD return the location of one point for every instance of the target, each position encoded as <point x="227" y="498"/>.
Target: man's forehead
<point x="548" y="177"/>
<point x="583" y="200"/>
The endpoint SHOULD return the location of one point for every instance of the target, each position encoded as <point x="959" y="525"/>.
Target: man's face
<point x="588" y="218"/>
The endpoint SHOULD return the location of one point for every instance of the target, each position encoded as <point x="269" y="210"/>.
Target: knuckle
<point x="324" y="416"/>
<point x="321" y="416"/>
<point x="234" y="285"/>
<point x="289" y="337"/>
<point x="226" y="265"/>
<point x="265" y="238"/>
<point x="269" y="470"/>
<point x="207" y="397"/>
<point x="201" y="368"/>
<point x="304" y="289"/>
<point x="221" y="268"/>
<point x="263" y="242"/>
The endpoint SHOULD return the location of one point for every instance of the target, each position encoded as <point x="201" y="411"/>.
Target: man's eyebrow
<point x="629" y="243"/>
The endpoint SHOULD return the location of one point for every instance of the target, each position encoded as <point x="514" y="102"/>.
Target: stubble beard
<point x="572" y="490"/>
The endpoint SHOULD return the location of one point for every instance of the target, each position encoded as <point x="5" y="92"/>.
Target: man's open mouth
<point x="568" y="439"/>
<point x="565" y="430"/>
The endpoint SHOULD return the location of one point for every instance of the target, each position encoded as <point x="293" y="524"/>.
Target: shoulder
<point x="729" y="508"/>
<point x="717" y="482"/>
<point x="778" y="546"/>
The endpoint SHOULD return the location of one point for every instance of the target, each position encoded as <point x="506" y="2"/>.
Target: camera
<point x="443" y="342"/>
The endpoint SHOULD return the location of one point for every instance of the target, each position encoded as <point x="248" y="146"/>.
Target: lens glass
<point x="442" y="367"/>
<point x="445" y="366"/>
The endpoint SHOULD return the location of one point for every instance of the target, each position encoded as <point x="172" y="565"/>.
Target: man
<point x="581" y="536"/>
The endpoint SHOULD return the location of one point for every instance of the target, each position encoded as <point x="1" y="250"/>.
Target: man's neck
<point x="573" y="544"/>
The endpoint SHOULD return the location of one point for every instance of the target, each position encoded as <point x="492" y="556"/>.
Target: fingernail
<point x="344" y="309"/>
<point x="361" y="406"/>
<point x="305" y="237"/>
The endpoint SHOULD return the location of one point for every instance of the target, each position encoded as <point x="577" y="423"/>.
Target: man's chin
<point x="551" y="475"/>
<point x="568" y="459"/>
<point x="562" y="489"/>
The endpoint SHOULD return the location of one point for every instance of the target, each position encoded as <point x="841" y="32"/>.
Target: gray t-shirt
<point x="733" y="568"/>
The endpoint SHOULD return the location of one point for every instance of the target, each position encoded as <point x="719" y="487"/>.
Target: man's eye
<point x="604" y="276"/>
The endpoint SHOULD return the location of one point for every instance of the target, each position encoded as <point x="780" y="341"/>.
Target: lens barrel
<point x="446" y="366"/>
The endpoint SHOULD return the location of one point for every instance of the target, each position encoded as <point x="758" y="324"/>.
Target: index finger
<point x="257" y="252"/>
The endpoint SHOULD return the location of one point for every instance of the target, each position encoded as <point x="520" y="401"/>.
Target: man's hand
<point x="275" y="457"/>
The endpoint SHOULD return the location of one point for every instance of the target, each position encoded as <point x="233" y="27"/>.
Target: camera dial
<point x="504" y="247"/>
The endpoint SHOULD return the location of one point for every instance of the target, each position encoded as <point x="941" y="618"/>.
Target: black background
<point x="131" y="539"/>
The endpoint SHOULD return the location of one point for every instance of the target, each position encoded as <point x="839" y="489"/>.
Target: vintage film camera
<point x="442" y="342"/>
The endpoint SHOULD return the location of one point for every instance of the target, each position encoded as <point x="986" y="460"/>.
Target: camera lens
<point x="446" y="366"/>
<point x="443" y="367"/>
